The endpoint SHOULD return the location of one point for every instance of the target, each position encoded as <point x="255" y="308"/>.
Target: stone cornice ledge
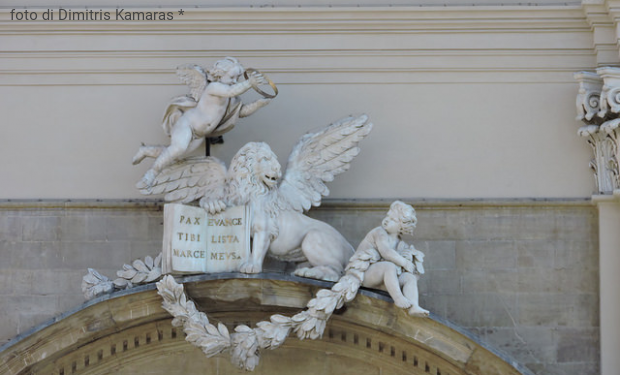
<point x="368" y="204"/>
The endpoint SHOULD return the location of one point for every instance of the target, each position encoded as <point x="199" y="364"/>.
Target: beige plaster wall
<point x="468" y="102"/>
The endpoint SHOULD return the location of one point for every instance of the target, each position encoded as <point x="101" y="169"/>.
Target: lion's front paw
<point x="249" y="267"/>
<point x="213" y="206"/>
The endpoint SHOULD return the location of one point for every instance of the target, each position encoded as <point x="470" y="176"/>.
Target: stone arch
<point x="129" y="333"/>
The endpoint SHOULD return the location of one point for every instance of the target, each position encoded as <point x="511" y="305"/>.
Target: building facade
<point x="473" y="108"/>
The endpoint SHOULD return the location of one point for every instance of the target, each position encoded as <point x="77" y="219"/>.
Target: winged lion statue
<point x="278" y="224"/>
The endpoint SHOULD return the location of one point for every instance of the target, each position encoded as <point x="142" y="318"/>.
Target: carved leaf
<point x="157" y="261"/>
<point x="212" y="330"/>
<point x="93" y="277"/>
<point x="140" y="266"/>
<point x="327" y="304"/>
<point x="153" y="275"/>
<point x="94" y="284"/>
<point x="242" y="328"/>
<point x="126" y="274"/>
<point x="223" y="331"/>
<point x="148" y="261"/>
<point x="178" y="321"/>
<point x="139" y="277"/>
<point x="121" y="283"/>
<point x="280" y="319"/>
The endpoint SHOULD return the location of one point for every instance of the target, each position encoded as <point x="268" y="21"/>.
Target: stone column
<point x="598" y="106"/>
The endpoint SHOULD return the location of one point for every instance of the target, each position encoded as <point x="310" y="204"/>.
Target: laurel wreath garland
<point x="139" y="272"/>
<point x="246" y="343"/>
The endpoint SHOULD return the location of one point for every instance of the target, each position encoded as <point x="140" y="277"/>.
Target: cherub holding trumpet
<point x="210" y="110"/>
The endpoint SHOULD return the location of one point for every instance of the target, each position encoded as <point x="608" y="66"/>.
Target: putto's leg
<point x="409" y="282"/>
<point x="384" y="273"/>
<point x="180" y="139"/>
<point x="147" y="152"/>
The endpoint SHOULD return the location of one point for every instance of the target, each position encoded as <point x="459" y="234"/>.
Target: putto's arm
<point x="229" y="91"/>
<point x="226" y="91"/>
<point x="250" y="108"/>
<point x="390" y="254"/>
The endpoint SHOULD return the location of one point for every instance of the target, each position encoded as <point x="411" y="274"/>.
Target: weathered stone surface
<point x="486" y="255"/>
<point x="558" y="310"/>
<point x="537" y="253"/>
<point x="577" y="344"/>
<point x="496" y="281"/>
<point x="10" y="227"/>
<point x="527" y="344"/>
<point x="41" y="228"/>
<point x="483" y="310"/>
<point x="440" y="255"/>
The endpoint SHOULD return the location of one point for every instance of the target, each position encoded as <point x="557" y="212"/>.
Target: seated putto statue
<point x="210" y="110"/>
<point x="278" y="226"/>
<point x="395" y="265"/>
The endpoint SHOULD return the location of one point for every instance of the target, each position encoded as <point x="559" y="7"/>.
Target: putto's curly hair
<point x="405" y="214"/>
<point x="221" y="67"/>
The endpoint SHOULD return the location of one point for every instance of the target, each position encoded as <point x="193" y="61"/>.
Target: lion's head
<point x="254" y="171"/>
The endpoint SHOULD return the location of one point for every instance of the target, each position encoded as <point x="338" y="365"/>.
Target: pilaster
<point x="598" y="107"/>
<point x="609" y="258"/>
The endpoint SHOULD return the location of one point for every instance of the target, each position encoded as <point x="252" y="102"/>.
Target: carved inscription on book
<point x="196" y="242"/>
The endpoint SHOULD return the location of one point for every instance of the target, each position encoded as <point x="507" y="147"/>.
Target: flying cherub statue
<point x="210" y="110"/>
<point x="278" y="225"/>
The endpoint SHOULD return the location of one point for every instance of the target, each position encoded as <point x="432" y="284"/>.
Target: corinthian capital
<point x="598" y="106"/>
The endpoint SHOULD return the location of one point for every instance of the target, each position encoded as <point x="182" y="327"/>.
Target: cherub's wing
<point x="317" y="158"/>
<point x="190" y="180"/>
<point x="195" y="77"/>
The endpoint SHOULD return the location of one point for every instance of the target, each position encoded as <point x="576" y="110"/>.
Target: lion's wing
<point x="195" y="77"/>
<point x="317" y="158"/>
<point x="190" y="180"/>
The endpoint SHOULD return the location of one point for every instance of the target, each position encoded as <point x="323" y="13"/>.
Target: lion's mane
<point x="245" y="186"/>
